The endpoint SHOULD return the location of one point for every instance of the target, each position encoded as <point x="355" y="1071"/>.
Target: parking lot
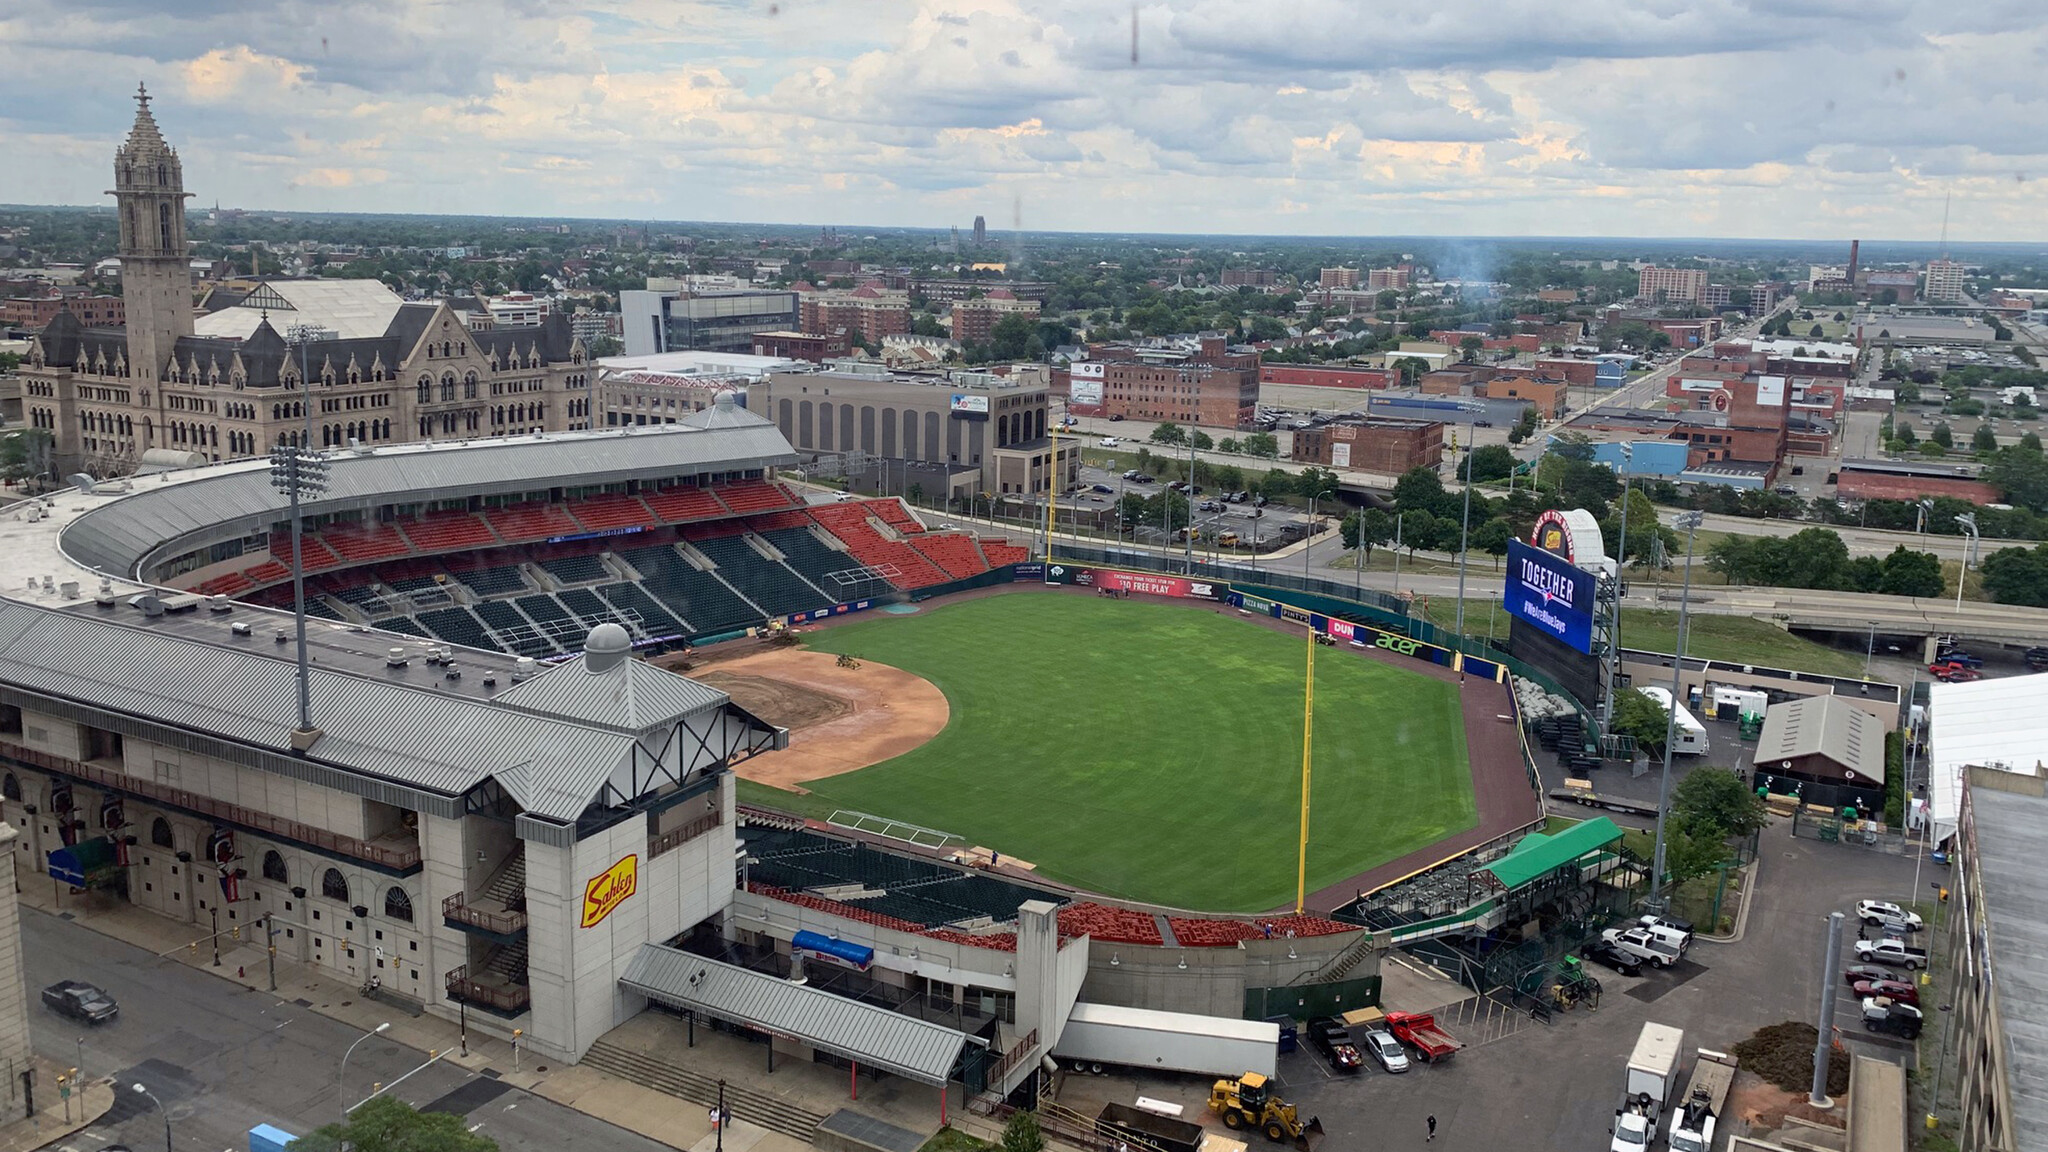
<point x="1556" y="1085"/>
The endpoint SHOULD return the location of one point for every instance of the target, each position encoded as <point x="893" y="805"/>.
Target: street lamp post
<point x="339" y="1073"/>
<point x="1614" y="633"/>
<point x="1464" y="548"/>
<point x="161" y="1110"/>
<point x="1968" y="522"/>
<point x="1690" y="521"/>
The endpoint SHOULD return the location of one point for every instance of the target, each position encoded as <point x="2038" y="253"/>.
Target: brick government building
<point x="228" y="383"/>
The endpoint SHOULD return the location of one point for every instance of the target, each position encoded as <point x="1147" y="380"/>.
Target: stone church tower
<point x="156" y="276"/>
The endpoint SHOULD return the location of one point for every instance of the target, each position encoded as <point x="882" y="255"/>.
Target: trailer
<point x="1419" y="1032"/>
<point x="1103" y="1034"/>
<point x="1688" y="735"/>
<point x="1700" y="1109"/>
<point x="1646" y="1087"/>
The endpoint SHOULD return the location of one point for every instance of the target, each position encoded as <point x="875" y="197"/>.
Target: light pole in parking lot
<point x="1690" y="521"/>
<point x="1464" y="542"/>
<point x="1967" y="521"/>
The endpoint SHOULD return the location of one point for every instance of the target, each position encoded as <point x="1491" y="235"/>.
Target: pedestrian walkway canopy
<point x="864" y="1033"/>
<point x="1538" y="855"/>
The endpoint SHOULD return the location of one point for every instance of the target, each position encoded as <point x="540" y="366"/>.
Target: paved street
<point x="223" y="1059"/>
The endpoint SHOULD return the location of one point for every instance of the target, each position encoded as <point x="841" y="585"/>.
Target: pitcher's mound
<point x="839" y="719"/>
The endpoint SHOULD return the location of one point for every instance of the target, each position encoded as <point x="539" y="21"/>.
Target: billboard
<point x="1551" y="594"/>
<point x="1144" y="583"/>
<point x="964" y="404"/>
<point x="1082" y="391"/>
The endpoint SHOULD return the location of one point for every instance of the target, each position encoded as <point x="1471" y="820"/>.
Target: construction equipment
<point x="1249" y="1102"/>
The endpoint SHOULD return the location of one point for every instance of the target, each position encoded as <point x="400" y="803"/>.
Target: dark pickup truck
<point x="1330" y="1037"/>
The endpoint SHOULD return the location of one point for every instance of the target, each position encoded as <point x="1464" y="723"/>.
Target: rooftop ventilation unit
<point x="241" y="628"/>
<point x="150" y="605"/>
<point x="217" y="603"/>
<point x="395" y="658"/>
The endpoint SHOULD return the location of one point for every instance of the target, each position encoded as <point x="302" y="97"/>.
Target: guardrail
<point x="456" y="908"/>
<point x="461" y="987"/>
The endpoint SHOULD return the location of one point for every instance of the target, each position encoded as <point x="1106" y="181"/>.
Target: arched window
<point x="274" y="869"/>
<point x="163" y="228"/>
<point x="334" y="885"/>
<point x="397" y="905"/>
<point x="10" y="787"/>
<point x="160" y="832"/>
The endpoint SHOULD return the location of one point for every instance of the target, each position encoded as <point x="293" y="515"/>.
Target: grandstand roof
<point x="1537" y="855"/>
<point x="118" y="537"/>
<point x="404" y="726"/>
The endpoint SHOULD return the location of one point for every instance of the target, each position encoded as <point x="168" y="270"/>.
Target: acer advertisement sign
<point x="1550" y="594"/>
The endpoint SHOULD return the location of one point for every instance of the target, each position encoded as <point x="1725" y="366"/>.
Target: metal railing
<point x="656" y="845"/>
<point x="397" y="858"/>
<point x="458" y="909"/>
<point x="517" y="998"/>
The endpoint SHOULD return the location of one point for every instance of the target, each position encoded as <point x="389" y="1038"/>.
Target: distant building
<point x="589" y="327"/>
<point x="680" y="320"/>
<point x="1206" y="385"/>
<point x="1338" y="278"/>
<point x="518" y="310"/>
<point x="1716" y="297"/>
<point x="1763" y="297"/>
<point x="1382" y="279"/>
<point x="948" y="291"/>
<point x="1327" y="376"/>
<point x="1557" y="295"/>
<point x="974" y="321"/>
<point x="1670" y="285"/>
<point x="1944" y="281"/>
<point x="816" y="347"/>
<point x="1387" y="446"/>
<point x="38" y="310"/>
<point x="1250" y="278"/>
<point x="980" y="230"/>
<point x="875" y="312"/>
<point x="1549" y="396"/>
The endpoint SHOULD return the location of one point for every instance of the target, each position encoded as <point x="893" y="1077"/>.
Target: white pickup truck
<point x="1893" y="951"/>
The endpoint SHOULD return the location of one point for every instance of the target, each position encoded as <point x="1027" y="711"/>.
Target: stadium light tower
<point x="298" y="473"/>
<point x="1690" y="521"/>
<point x="1614" y="633"/>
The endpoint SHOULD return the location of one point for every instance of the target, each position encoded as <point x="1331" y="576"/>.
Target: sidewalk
<point x="58" y="1117"/>
<point x="656" y="1115"/>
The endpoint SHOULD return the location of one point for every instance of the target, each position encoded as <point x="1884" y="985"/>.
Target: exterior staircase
<point x="753" y="1107"/>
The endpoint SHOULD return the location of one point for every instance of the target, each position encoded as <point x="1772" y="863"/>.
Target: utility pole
<point x="1690" y="521"/>
<point x="1825" y="1025"/>
<point x="270" y="948"/>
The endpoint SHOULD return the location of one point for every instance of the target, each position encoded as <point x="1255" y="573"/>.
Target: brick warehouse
<point x="1386" y="446"/>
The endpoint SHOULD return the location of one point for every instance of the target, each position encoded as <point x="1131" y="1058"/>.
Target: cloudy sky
<point x="1770" y="118"/>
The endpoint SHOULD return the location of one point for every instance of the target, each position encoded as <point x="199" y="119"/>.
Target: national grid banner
<point x="1551" y="594"/>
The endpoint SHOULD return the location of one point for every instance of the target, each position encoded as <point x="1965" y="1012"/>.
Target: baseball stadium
<point x="933" y="761"/>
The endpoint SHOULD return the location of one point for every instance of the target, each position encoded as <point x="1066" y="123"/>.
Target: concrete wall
<point x="14" y="1034"/>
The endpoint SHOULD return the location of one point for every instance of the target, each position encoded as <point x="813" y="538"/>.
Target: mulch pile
<point x="1783" y="1055"/>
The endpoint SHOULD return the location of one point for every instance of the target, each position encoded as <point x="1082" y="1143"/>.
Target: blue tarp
<point x="859" y="955"/>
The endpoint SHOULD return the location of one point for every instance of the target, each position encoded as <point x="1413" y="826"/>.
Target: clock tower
<point x="156" y="276"/>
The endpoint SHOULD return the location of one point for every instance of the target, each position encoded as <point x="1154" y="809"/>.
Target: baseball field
<point x="1153" y="751"/>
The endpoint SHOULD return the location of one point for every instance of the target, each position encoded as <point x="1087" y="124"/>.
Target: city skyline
<point x="1182" y="119"/>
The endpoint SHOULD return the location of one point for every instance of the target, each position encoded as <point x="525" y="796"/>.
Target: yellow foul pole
<point x="1308" y="721"/>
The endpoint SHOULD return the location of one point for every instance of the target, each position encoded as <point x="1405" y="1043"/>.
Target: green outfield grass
<point x="1154" y="752"/>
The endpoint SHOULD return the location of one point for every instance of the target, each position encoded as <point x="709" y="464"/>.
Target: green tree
<point x="1715" y="803"/>
<point x="1910" y="573"/>
<point x="1228" y="477"/>
<point x="1491" y="462"/>
<point x="1816" y="331"/>
<point x="1202" y="441"/>
<point x="1983" y="439"/>
<point x="1021" y="1134"/>
<point x="1689" y="855"/>
<point x="1942" y="436"/>
<point x="9" y="361"/>
<point x="1492" y="538"/>
<point x="2018" y="576"/>
<point x="1635" y="714"/>
<point x="925" y="324"/>
<point x="1469" y="347"/>
<point x="1316" y="481"/>
<point x="1267" y="328"/>
<point x="1374" y="526"/>
<point x="1015" y="337"/>
<point x="1277" y="482"/>
<point x="1262" y="444"/>
<point x="2021" y="475"/>
<point x="1524" y="427"/>
<point x="1419" y="490"/>
<point x="24" y="453"/>
<point x="2031" y="442"/>
<point x="386" y="1124"/>
<point x="1169" y="433"/>
<point x="1229" y="444"/>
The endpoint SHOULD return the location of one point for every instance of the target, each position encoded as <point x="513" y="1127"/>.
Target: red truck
<point x="1419" y="1032"/>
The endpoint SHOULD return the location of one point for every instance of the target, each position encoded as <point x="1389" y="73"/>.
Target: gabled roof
<point x="633" y="694"/>
<point x="345" y="307"/>
<point x="1823" y="725"/>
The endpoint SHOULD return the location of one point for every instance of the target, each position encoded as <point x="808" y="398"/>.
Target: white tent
<point x="1999" y="723"/>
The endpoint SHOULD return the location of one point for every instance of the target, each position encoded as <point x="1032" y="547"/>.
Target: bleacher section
<point x="711" y="607"/>
<point x="904" y="565"/>
<point x="475" y="589"/>
<point x="577" y="569"/>
<point x="769" y="583"/>
<point x="520" y="523"/>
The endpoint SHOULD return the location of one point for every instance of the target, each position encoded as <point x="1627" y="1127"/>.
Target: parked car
<point x="1386" y="1050"/>
<point x="1132" y="474"/>
<point x="2037" y="659"/>
<point x="1858" y="972"/>
<point x="1110" y="442"/>
<point x="1209" y="506"/>
<point x="1676" y="924"/>
<point x="1892" y="951"/>
<point x="1882" y="1015"/>
<point x="1601" y="952"/>
<point x="81" y="1001"/>
<point x="1639" y="943"/>
<point x="1954" y="673"/>
<point x="1878" y="911"/>
<point x="1115" y="416"/>
<point x="1142" y="478"/>
<point x="1482" y="423"/>
<point x="1333" y="1040"/>
<point x="1963" y="656"/>
<point x="1897" y="990"/>
<point x="1102" y="488"/>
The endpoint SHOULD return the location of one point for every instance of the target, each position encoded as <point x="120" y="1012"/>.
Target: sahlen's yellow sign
<point x="609" y="889"/>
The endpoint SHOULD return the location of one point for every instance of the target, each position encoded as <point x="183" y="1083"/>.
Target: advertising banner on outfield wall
<point x="1362" y="635"/>
<point x="1143" y="583"/>
<point x="835" y="610"/>
<point x="1551" y="594"/>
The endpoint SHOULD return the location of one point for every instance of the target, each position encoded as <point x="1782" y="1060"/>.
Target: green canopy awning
<point x="1538" y="855"/>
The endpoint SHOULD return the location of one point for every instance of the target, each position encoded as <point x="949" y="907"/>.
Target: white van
<point x="1110" y="442"/>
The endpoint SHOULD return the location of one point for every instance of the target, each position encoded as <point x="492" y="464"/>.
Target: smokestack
<point x="1853" y="246"/>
